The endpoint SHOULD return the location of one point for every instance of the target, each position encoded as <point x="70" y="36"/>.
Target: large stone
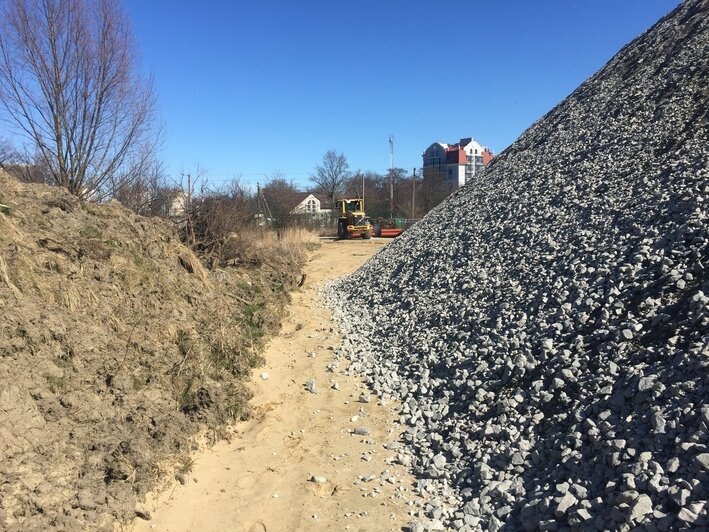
<point x="439" y="461"/>
<point x="566" y="502"/>
<point x="639" y="508"/>
<point x="701" y="461"/>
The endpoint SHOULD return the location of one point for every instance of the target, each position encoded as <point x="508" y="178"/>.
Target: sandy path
<point x="260" y="480"/>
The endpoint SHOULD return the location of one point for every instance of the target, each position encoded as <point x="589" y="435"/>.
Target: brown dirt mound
<point x="116" y="348"/>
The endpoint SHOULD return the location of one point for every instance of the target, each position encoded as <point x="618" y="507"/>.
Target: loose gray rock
<point x="702" y="461"/>
<point x="533" y="327"/>
<point x="639" y="508"/>
<point x="415" y="526"/>
<point x="439" y="461"/>
<point x="311" y="386"/>
<point x="566" y="502"/>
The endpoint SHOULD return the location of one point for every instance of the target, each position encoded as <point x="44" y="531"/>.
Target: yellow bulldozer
<point x="352" y="220"/>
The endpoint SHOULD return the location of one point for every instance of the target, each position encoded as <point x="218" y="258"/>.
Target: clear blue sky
<point x="252" y="88"/>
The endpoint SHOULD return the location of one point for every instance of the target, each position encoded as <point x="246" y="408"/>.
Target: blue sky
<point x="253" y="88"/>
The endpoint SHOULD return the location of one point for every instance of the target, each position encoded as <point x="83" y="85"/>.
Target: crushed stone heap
<point x="546" y="328"/>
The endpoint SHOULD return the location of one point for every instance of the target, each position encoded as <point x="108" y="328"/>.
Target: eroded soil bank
<point x="117" y="347"/>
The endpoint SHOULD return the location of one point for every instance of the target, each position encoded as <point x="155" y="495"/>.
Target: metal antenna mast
<point x="391" y="176"/>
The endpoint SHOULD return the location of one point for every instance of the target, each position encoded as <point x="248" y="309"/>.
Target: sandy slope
<point x="260" y="480"/>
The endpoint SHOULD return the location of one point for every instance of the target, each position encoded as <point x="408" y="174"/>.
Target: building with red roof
<point x="455" y="164"/>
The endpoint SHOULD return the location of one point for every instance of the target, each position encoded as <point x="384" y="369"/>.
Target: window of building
<point x="311" y="206"/>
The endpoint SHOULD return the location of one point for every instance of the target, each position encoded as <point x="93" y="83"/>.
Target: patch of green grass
<point x="251" y="312"/>
<point x="56" y="384"/>
<point x="230" y="358"/>
<point x="235" y="404"/>
<point x="138" y="384"/>
<point x="184" y="342"/>
<point x="238" y="355"/>
<point x="91" y="232"/>
<point x="251" y="323"/>
<point x="186" y="465"/>
<point x="65" y="356"/>
<point x="249" y="289"/>
<point x="187" y="399"/>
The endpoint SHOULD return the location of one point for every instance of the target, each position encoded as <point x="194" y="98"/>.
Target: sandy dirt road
<point x="261" y="479"/>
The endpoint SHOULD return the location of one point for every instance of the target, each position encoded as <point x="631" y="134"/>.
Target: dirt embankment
<point x="116" y="348"/>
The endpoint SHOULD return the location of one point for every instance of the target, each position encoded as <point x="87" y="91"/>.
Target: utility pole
<point x="391" y="176"/>
<point x="188" y="210"/>
<point x="266" y="210"/>
<point x="413" y="196"/>
<point x="189" y="192"/>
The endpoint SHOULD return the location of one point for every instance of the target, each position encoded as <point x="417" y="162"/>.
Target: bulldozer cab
<point x="350" y="206"/>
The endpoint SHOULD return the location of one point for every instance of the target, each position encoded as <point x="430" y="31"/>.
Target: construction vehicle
<point x="352" y="220"/>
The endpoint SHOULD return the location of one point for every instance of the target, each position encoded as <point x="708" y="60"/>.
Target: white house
<point x="313" y="207"/>
<point x="309" y="203"/>
<point x="178" y="205"/>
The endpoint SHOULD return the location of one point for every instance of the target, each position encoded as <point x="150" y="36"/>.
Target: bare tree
<point x="220" y="220"/>
<point x="7" y="153"/>
<point x="222" y="211"/>
<point x="282" y="197"/>
<point x="331" y="176"/>
<point x="149" y="194"/>
<point x="69" y="84"/>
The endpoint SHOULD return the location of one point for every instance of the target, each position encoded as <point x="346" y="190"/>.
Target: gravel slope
<point x="546" y="327"/>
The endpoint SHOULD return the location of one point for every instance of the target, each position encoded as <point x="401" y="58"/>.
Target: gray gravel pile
<point x="546" y="328"/>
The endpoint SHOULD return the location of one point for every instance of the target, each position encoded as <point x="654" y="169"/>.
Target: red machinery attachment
<point x="390" y="233"/>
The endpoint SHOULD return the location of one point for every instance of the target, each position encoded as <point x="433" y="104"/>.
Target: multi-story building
<point x="455" y="164"/>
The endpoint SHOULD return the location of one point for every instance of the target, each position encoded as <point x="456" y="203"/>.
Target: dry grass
<point x="292" y="242"/>
<point x="259" y="245"/>
<point x="5" y="277"/>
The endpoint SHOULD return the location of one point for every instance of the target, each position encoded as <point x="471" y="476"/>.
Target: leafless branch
<point x="69" y="84"/>
<point x="332" y="174"/>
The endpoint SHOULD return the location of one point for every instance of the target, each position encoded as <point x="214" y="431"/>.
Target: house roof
<point x="455" y="156"/>
<point x="299" y="197"/>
